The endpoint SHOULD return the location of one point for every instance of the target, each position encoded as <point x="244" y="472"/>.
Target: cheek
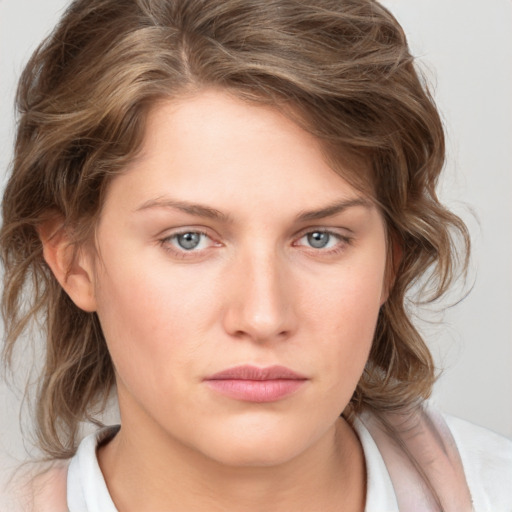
<point x="149" y="328"/>
<point x="345" y="319"/>
<point x="140" y="299"/>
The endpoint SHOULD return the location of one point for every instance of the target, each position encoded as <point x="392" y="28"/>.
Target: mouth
<point x="251" y="384"/>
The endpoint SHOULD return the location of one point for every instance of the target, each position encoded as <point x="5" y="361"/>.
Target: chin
<point x="259" y="445"/>
<point x="256" y="454"/>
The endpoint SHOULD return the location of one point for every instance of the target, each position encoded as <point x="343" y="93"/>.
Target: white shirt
<point x="87" y="491"/>
<point x="485" y="460"/>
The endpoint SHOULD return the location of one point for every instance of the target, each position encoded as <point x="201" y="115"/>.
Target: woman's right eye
<point x="188" y="241"/>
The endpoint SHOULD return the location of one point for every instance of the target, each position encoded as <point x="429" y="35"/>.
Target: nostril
<point x="260" y="309"/>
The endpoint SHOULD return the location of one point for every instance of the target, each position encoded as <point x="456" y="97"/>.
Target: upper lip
<point x="248" y="372"/>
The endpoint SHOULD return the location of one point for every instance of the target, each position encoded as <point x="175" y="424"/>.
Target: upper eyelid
<point x="172" y="232"/>
<point x="168" y="233"/>
<point x="340" y="232"/>
<point x="184" y="232"/>
<point x="178" y="233"/>
<point x="341" y="238"/>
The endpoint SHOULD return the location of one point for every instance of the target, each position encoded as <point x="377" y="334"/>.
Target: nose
<point x="259" y="295"/>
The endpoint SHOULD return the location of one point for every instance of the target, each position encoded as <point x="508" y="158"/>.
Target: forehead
<point x="217" y="136"/>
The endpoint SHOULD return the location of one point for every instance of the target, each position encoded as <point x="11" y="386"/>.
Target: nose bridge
<point x="261" y="307"/>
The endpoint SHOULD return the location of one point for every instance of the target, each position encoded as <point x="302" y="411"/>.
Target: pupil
<point x="189" y="240"/>
<point x="318" y="239"/>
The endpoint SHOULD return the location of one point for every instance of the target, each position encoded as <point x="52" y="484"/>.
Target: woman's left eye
<point x="322" y="239"/>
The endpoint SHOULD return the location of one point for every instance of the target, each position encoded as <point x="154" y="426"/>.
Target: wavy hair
<point x="340" y="68"/>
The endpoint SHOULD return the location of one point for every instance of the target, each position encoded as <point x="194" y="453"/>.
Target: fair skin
<point x="284" y="264"/>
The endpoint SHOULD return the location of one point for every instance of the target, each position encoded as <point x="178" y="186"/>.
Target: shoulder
<point x="487" y="461"/>
<point x="432" y="457"/>
<point x="38" y="487"/>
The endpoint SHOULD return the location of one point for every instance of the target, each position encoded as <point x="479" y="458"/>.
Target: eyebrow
<point x="333" y="209"/>
<point x="200" y="210"/>
<point x="196" y="209"/>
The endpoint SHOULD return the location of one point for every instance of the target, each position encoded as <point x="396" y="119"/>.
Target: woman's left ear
<point x="73" y="268"/>
<point x="394" y="257"/>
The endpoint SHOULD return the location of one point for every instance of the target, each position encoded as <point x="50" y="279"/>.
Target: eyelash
<point x="343" y="241"/>
<point x="168" y="247"/>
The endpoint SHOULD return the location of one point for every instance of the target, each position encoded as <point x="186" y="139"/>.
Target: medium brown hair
<point x="340" y="68"/>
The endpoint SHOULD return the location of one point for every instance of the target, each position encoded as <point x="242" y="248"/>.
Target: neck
<point x="153" y="472"/>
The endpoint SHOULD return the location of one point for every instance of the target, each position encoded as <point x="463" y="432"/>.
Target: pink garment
<point x="46" y="492"/>
<point x="422" y="460"/>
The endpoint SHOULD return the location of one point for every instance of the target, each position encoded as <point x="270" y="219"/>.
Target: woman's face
<point x="230" y="243"/>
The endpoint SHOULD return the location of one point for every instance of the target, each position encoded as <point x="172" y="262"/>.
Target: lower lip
<point x="256" y="390"/>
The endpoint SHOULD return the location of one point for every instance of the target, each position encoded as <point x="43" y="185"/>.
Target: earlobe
<point x="72" y="268"/>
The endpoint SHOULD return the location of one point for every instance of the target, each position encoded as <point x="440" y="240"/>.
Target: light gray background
<point x="465" y="47"/>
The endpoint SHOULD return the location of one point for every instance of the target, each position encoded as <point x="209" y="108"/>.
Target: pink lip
<point x="252" y="384"/>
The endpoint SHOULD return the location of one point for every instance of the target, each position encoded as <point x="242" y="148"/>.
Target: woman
<point x="218" y="208"/>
